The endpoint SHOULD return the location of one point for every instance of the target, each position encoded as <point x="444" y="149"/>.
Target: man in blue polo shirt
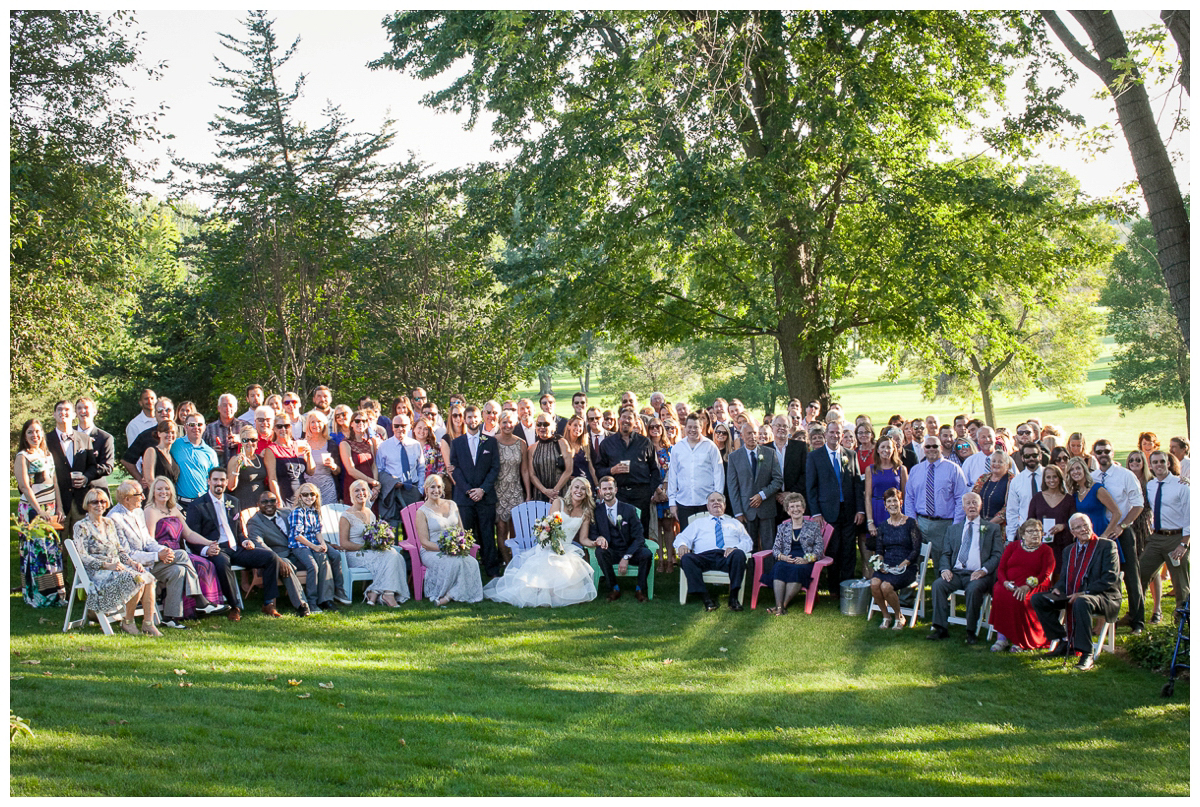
<point x="195" y="458"/>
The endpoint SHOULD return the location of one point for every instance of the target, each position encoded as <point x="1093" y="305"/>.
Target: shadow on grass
<point x="489" y="700"/>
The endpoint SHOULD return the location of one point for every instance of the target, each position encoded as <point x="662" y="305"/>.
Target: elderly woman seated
<point x="1026" y="568"/>
<point x="798" y="546"/>
<point x="117" y="579"/>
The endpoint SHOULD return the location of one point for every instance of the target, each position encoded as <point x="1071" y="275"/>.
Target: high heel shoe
<point x="129" y="626"/>
<point x="150" y="630"/>
<point x="389" y="596"/>
<point x="367" y="598"/>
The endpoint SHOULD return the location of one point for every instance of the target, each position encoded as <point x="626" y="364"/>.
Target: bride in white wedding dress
<point x="538" y="576"/>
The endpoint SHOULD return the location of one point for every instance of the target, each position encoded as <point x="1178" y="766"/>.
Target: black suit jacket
<point x="478" y="473"/>
<point x="822" y="484"/>
<point x="909" y="457"/>
<point x="627" y="538"/>
<point x="202" y="518"/>
<point x="84" y="459"/>
<point x="795" y="462"/>
<point x="102" y="441"/>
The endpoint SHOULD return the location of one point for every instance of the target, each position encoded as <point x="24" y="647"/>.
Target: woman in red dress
<point x="1026" y="567"/>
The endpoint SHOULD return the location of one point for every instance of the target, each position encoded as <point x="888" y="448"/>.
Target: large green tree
<point x="1152" y="363"/>
<point x="1005" y="337"/>
<point x="290" y="201"/>
<point x="692" y="172"/>
<point x="75" y="238"/>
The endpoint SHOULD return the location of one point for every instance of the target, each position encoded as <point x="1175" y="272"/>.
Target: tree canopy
<point x="732" y="174"/>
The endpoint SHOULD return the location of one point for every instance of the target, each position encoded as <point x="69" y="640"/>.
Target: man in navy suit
<point x="214" y="515"/>
<point x="476" y="465"/>
<point x="836" y="498"/>
<point x="616" y="532"/>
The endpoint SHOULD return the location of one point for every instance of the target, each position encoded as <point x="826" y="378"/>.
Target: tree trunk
<point x="545" y="382"/>
<point x="1160" y="188"/>
<point x="801" y="368"/>
<point x="587" y="379"/>
<point x="1179" y="23"/>
<point x="985" y="392"/>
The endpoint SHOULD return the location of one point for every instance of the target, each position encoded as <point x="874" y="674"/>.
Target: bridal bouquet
<point x="548" y="532"/>
<point x="456" y="541"/>
<point x="378" y="535"/>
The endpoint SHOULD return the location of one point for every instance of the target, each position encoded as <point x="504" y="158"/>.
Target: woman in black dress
<point x="897" y="545"/>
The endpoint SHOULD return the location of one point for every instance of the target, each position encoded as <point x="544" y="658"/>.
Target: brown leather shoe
<point x="235" y="615"/>
<point x="614" y="595"/>
<point x="638" y="595"/>
<point x="269" y="610"/>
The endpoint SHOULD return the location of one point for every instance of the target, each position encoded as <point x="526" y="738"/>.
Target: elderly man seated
<point x="171" y="567"/>
<point x="967" y="560"/>
<point x="715" y="542"/>
<point x="1088" y="584"/>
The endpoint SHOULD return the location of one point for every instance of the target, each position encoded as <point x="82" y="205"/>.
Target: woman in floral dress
<point x="41" y="550"/>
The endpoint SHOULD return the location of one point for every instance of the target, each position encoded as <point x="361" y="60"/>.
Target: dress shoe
<point x="710" y="604"/>
<point x="328" y="605"/>
<point x="971" y="639"/>
<point x="937" y="633"/>
<point x="1086" y="662"/>
<point x="1136" y="632"/>
<point x="638" y="595"/>
<point x="1058" y="649"/>
<point x="270" y="610"/>
<point x="734" y="605"/>
<point x="173" y="622"/>
<point x="614" y="595"/>
<point x="215" y="609"/>
<point x="303" y="609"/>
<point x="235" y="615"/>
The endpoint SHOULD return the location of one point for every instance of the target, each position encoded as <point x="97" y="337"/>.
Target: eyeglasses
<point x="249" y="440"/>
<point x="418" y="397"/>
<point x="308" y="495"/>
<point x="592" y="419"/>
<point x="290" y="403"/>
<point x="1025" y="433"/>
<point x="100" y="502"/>
<point x="360" y="420"/>
<point x="543" y="425"/>
<point x="281" y="426"/>
<point x="456" y="416"/>
<point x="399" y="425"/>
<point x="261" y="420"/>
<point x="656" y="428"/>
<point x="1101" y="450"/>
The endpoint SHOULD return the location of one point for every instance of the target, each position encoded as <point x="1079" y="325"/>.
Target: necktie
<point x="965" y="549"/>
<point x="753" y="466"/>
<point x="837" y="470"/>
<point x="612" y="515"/>
<point x="404" y="466"/>
<point x="930" y="505"/>
<point x="987" y="464"/>
<point x="719" y="533"/>
<point x="1158" y="507"/>
<point x="474" y="446"/>
<point x="1032" y="483"/>
<point x="1103" y="476"/>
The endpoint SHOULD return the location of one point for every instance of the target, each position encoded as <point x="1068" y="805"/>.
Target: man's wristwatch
<point x="626" y="557"/>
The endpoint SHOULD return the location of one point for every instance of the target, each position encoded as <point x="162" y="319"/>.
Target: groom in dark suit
<point x="222" y="529"/>
<point x="834" y="497"/>
<point x="75" y="459"/>
<point x="616" y="532"/>
<point x="476" y="465"/>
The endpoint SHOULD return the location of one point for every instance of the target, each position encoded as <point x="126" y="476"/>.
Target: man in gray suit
<point x="268" y="529"/>
<point x="968" y="560"/>
<point x="754" y="479"/>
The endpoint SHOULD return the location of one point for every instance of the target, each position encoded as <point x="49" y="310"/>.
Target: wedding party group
<point x="1048" y="525"/>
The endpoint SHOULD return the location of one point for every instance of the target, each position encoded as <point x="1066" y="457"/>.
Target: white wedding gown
<point x="538" y="576"/>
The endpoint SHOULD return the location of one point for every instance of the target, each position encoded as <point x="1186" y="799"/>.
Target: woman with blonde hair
<point x="316" y="437"/>
<point x="246" y="472"/>
<point x="389" y="583"/>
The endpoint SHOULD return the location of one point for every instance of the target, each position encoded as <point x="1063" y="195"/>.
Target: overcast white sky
<point x="335" y="47"/>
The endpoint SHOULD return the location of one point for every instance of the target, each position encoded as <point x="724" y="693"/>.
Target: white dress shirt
<point x="971" y="528"/>
<point x="1016" y="507"/>
<point x="226" y="530"/>
<point x="701" y="536"/>
<point x="694" y="472"/>
<point x="1123" y="486"/>
<point x="1185" y="469"/>
<point x="1176" y="503"/>
<point x="975" y="466"/>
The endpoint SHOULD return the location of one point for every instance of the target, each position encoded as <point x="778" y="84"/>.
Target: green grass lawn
<point x="604" y="698"/>
<point x="864" y="393"/>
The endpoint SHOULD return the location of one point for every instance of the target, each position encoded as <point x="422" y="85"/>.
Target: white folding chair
<point x="1107" y="630"/>
<point x="83" y="584"/>
<point x="330" y="515"/>
<point x="918" y="586"/>
<point x="985" y="611"/>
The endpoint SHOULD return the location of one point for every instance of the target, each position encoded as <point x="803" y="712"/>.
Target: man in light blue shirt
<point x="934" y="493"/>
<point x="195" y="458"/>
<point x="399" y="457"/>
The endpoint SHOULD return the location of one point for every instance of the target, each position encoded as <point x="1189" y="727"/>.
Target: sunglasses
<point x="272" y="500"/>
<point x="246" y="441"/>
<point x="1102" y="451"/>
<point x="281" y="426"/>
<point x="308" y="495"/>
<point x="399" y="425"/>
<point x="543" y="425"/>
<point x="359" y="420"/>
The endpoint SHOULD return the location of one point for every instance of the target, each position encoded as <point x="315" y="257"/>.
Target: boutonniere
<point x="620" y="521"/>
<point x="758" y="455"/>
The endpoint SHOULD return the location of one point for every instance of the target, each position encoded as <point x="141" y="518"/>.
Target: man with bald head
<point x="968" y="561"/>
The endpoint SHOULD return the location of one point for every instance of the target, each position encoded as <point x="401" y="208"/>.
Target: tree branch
<point x="1072" y="44"/>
